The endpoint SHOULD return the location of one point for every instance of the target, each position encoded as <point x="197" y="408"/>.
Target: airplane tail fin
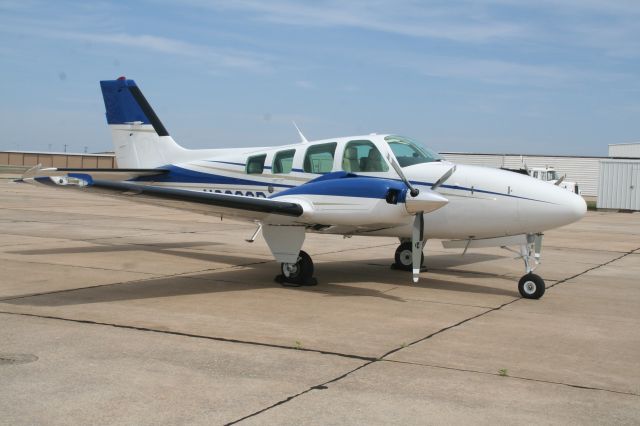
<point x="140" y="140"/>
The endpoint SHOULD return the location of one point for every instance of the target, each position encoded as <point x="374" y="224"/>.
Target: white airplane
<point x="380" y="185"/>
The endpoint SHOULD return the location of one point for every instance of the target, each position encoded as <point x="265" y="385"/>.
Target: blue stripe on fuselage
<point x="182" y="175"/>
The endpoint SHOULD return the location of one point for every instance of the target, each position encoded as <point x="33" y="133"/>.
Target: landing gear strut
<point x="299" y="273"/>
<point x="531" y="286"/>
<point x="404" y="257"/>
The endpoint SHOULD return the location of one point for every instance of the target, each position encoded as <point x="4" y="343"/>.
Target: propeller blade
<point x="412" y="190"/>
<point x="417" y="236"/>
<point x="443" y="178"/>
<point x="559" y="181"/>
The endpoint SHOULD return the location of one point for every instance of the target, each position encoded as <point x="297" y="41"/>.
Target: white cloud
<point x="213" y="57"/>
<point x="606" y="25"/>
<point x="410" y="18"/>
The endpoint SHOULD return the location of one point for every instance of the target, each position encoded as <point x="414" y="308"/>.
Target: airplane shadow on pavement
<point x="249" y="272"/>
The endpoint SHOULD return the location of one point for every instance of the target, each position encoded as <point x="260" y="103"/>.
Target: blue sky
<point x="517" y="76"/>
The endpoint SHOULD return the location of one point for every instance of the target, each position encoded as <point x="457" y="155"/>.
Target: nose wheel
<point x="299" y="273"/>
<point x="531" y="286"/>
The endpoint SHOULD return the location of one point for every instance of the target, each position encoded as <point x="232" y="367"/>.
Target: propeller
<point x="412" y="190"/>
<point x="420" y="202"/>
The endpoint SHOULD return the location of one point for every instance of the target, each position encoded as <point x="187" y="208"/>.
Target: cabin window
<point x="363" y="156"/>
<point x="283" y="161"/>
<point x="255" y="165"/>
<point x="319" y="158"/>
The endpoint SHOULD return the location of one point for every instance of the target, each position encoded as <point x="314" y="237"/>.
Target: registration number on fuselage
<point x="256" y="194"/>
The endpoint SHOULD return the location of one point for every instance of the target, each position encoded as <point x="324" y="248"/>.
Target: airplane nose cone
<point x="576" y="207"/>
<point x="426" y="201"/>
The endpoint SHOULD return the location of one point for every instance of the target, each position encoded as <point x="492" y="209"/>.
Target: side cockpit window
<point x="283" y="161"/>
<point x="255" y="164"/>
<point x="408" y="152"/>
<point x="319" y="158"/>
<point x="363" y="156"/>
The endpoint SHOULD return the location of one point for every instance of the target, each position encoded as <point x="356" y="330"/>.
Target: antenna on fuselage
<point x="302" y="138"/>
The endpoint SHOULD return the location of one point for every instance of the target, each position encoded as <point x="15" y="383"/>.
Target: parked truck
<point x="549" y="174"/>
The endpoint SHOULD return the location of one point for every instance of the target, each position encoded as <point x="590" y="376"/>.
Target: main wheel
<point x="404" y="257"/>
<point x="300" y="272"/>
<point x="531" y="286"/>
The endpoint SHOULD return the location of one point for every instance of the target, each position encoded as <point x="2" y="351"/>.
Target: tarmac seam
<point x="195" y="336"/>
<point x="513" y="377"/>
<point x="583" y="249"/>
<point x="593" y="268"/>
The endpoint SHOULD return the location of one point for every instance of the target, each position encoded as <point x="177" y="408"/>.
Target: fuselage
<point x="483" y="202"/>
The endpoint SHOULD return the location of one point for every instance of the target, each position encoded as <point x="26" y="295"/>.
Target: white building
<point x="619" y="184"/>
<point x="624" y="150"/>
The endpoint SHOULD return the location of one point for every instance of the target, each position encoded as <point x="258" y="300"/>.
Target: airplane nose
<point x="576" y="207"/>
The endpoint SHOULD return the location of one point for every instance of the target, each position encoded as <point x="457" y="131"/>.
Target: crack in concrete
<point x="192" y="335"/>
<point x="593" y="268"/>
<point x="509" y="376"/>
<point x="442" y="330"/>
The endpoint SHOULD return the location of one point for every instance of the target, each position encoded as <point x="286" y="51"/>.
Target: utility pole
<point x="65" y="147"/>
<point x="85" y="149"/>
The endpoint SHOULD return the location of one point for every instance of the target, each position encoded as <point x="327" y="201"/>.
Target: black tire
<point x="300" y="272"/>
<point x="531" y="286"/>
<point x="404" y="257"/>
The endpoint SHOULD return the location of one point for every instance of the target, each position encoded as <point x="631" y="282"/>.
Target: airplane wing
<point x="354" y="203"/>
<point x="97" y="182"/>
<point x="108" y="174"/>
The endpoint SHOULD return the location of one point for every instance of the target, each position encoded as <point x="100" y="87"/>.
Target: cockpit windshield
<point x="408" y="152"/>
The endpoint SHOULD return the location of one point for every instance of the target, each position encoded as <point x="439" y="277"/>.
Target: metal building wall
<point x="624" y="149"/>
<point x="57" y="159"/>
<point x="583" y="170"/>
<point x="620" y="184"/>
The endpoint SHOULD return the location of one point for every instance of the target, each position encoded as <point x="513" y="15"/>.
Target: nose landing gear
<point x="531" y="286"/>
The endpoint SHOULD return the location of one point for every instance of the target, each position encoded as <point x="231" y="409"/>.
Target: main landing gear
<point x="297" y="274"/>
<point x="404" y="257"/>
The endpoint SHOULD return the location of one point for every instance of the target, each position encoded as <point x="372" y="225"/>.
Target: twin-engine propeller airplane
<point x="381" y="185"/>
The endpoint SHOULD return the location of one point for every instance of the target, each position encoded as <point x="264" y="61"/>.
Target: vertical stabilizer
<point x="140" y="140"/>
